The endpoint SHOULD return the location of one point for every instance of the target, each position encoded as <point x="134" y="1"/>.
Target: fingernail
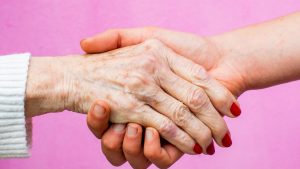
<point x="235" y="109"/>
<point x="149" y="134"/>
<point x="210" y="149"/>
<point x="197" y="149"/>
<point x="226" y="141"/>
<point x="99" y="111"/>
<point x="131" y="131"/>
<point x="119" y="128"/>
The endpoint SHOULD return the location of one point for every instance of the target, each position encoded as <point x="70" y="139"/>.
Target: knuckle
<point x="199" y="75"/>
<point x="153" y="44"/>
<point x="136" y="81"/>
<point x="149" y="63"/>
<point x="222" y="100"/>
<point x="148" y="94"/>
<point x="167" y="128"/>
<point x="110" y="145"/>
<point x="150" y="154"/>
<point x="198" y="99"/>
<point x="181" y="115"/>
<point x="131" y="151"/>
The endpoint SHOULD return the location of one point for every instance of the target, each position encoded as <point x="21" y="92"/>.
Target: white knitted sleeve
<point x="15" y="130"/>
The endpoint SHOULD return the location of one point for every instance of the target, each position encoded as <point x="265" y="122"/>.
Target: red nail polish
<point x="226" y="141"/>
<point x="210" y="149"/>
<point x="235" y="110"/>
<point x="197" y="149"/>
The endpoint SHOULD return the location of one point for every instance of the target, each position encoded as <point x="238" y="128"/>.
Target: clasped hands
<point x="177" y="86"/>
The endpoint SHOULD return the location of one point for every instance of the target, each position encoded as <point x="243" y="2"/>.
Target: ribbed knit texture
<point x="15" y="132"/>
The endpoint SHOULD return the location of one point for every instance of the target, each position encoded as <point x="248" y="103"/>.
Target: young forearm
<point x="267" y="54"/>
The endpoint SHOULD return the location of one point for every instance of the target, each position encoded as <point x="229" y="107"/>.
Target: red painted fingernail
<point x="210" y="149"/>
<point x="226" y="141"/>
<point x="197" y="149"/>
<point x="235" y="110"/>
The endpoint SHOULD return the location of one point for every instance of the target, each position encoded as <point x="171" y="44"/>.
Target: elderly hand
<point x="139" y="81"/>
<point x="205" y="51"/>
<point x="147" y="84"/>
<point x="201" y="50"/>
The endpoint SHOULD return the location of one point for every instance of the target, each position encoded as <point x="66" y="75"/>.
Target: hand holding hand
<point x="196" y="48"/>
<point x="157" y="67"/>
<point x="121" y="142"/>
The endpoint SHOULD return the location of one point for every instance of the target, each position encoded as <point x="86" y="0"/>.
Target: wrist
<point x="236" y="61"/>
<point x="46" y="86"/>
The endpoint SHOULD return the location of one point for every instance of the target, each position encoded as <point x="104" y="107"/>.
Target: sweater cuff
<point x="15" y="129"/>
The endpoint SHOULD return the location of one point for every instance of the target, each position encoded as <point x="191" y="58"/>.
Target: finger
<point x="117" y="38"/>
<point x="162" y="157"/>
<point x="98" y="118"/>
<point x="168" y="130"/>
<point x="179" y="113"/>
<point x="222" y="99"/>
<point x="198" y="102"/>
<point x="132" y="146"/>
<point x="146" y="116"/>
<point x="113" y="39"/>
<point x="111" y="144"/>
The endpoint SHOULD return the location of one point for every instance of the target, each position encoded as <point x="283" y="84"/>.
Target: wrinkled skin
<point x="203" y="51"/>
<point x="136" y="82"/>
<point x="147" y="84"/>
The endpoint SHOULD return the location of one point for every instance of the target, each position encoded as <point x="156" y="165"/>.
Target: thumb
<point x="102" y="42"/>
<point x="116" y="38"/>
<point x="98" y="118"/>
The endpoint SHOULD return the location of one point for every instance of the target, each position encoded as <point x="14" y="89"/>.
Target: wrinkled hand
<point x="198" y="49"/>
<point x="204" y="51"/>
<point x="139" y="81"/>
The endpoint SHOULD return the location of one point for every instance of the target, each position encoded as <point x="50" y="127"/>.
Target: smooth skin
<point x="254" y="57"/>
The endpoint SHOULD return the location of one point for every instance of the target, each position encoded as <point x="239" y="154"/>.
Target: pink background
<point x="267" y="135"/>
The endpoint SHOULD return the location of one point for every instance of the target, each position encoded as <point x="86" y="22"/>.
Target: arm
<point x="267" y="54"/>
<point x="15" y="126"/>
